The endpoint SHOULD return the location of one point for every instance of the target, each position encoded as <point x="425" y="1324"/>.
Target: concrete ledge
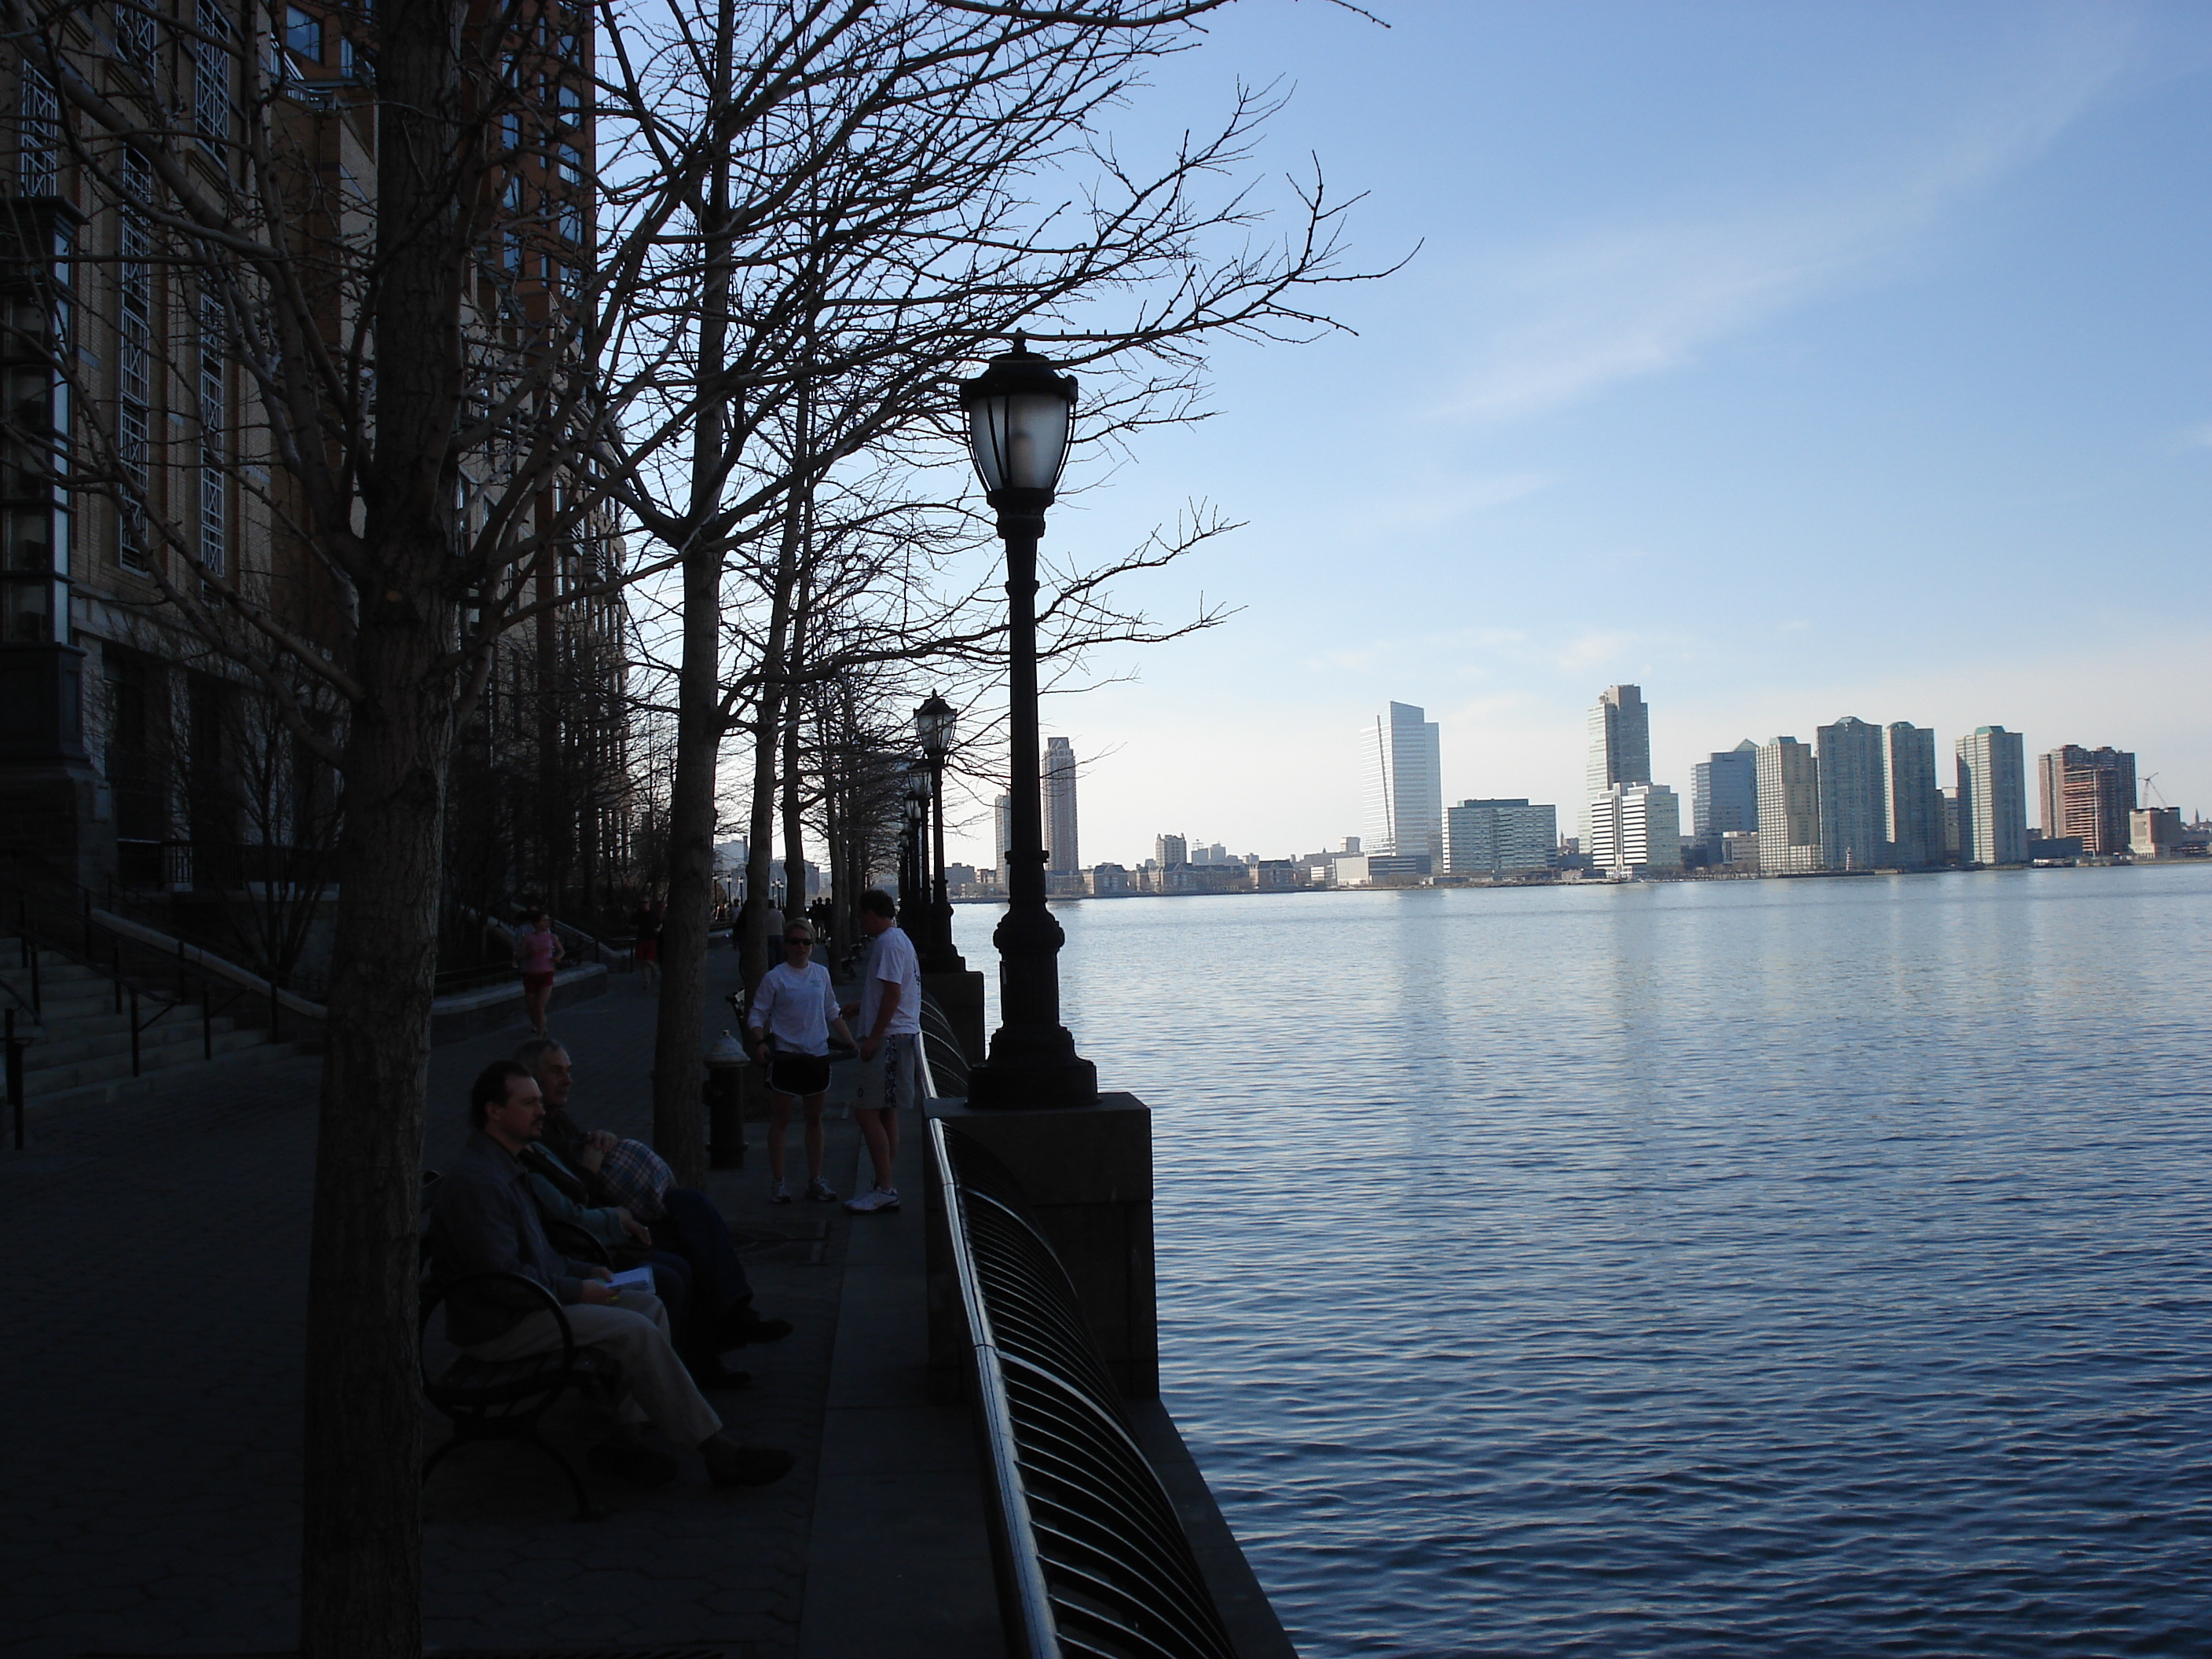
<point x="469" y="1013"/>
<point x="1253" y="1625"/>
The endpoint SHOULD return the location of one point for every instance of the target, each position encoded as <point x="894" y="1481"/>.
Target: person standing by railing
<point x="889" y="1011"/>
<point x="791" y="1016"/>
<point x="537" y="953"/>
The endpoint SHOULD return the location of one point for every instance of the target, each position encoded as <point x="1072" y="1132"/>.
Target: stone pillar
<point x="1087" y="1174"/>
<point x="961" y="996"/>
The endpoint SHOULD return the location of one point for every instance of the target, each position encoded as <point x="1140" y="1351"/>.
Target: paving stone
<point x="152" y="1504"/>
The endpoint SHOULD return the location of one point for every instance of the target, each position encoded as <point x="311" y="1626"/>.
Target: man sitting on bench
<point x="483" y="1219"/>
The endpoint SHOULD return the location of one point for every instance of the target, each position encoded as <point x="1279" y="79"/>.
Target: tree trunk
<point x="678" y="1118"/>
<point x="360" y="1521"/>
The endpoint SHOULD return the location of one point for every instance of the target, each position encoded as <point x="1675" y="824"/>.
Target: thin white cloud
<point x="1625" y="302"/>
<point x="2195" y="437"/>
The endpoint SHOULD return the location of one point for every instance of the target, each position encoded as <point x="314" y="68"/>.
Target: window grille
<point x="572" y="164"/>
<point x="211" y="77"/>
<point x="134" y="33"/>
<point x="42" y="133"/>
<point x="215" y="503"/>
<point x="134" y="351"/>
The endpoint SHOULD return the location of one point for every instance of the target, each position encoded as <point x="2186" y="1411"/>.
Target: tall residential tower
<point x="1854" y="827"/>
<point x="1992" y="796"/>
<point x="1062" y="858"/>
<point x="1408" y="768"/>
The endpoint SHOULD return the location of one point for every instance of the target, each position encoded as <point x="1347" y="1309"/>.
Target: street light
<point x="1020" y="410"/>
<point x="914" y="810"/>
<point x="932" y="724"/>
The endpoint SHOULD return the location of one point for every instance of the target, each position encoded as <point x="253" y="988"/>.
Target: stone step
<point x="67" y="1045"/>
<point x="44" y="1108"/>
<point x="47" y="1082"/>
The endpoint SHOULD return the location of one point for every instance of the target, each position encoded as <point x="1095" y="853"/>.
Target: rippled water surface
<point x="1812" y="1267"/>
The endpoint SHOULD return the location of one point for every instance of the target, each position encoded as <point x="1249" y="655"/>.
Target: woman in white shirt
<point x="791" y="1019"/>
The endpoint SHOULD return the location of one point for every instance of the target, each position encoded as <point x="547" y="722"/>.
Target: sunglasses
<point x="790" y="939"/>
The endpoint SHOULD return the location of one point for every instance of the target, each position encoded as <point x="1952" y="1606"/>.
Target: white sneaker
<point x="868" y="1203"/>
<point x="819" y="1191"/>
<point x="778" y="1194"/>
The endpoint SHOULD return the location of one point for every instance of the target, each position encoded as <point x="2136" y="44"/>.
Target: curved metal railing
<point x="1091" y="1557"/>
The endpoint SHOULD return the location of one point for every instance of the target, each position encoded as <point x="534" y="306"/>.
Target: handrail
<point x="1091" y="1555"/>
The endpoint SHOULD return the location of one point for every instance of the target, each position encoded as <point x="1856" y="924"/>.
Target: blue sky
<point x="1790" y="360"/>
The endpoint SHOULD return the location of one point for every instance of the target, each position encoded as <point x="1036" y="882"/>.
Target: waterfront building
<point x="1947" y="804"/>
<point x="1992" y="796"/>
<point x="1060" y="846"/>
<point x="1168" y="851"/>
<point x="1853" y="821"/>
<point x="1724" y="794"/>
<point x="1739" y="850"/>
<point x="2088" y="792"/>
<point x="1002" y="828"/>
<point x="1619" y="744"/>
<point x="1107" y="881"/>
<point x="1912" y="807"/>
<point x="1408" y="770"/>
<point x="1636" y="830"/>
<point x="1495" y="837"/>
<point x="1277" y="875"/>
<point x="1789" y="807"/>
<point x="2155" y="832"/>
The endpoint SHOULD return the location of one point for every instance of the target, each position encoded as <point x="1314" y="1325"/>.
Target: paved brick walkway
<point x="149" y="1364"/>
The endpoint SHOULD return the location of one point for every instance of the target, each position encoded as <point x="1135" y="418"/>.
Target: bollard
<point x="723" y="1092"/>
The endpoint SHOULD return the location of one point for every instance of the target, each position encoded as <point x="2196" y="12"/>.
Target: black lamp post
<point x="933" y="723"/>
<point x="1020" y="410"/>
<point x="914" y="811"/>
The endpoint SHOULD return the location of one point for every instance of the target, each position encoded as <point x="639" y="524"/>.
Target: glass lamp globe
<point x="932" y="724"/>
<point x="1020" y="410"/>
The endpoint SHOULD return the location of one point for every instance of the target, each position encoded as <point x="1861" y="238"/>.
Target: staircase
<point x="80" y="1051"/>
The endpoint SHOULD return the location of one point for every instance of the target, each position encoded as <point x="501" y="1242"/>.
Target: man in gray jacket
<point x="485" y="1219"/>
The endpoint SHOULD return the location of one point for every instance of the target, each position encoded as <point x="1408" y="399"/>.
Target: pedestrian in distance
<point x="537" y="953"/>
<point x="889" y="1011"/>
<point x="791" y="1019"/>
<point x="644" y="950"/>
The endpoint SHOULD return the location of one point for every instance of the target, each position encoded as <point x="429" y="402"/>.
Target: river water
<point x="1777" y="1267"/>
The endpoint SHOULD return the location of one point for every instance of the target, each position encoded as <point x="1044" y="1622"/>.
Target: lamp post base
<point x="1030" y="1084"/>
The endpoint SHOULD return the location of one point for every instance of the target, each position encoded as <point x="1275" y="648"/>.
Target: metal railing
<point x="62" y="920"/>
<point x="1091" y="1557"/>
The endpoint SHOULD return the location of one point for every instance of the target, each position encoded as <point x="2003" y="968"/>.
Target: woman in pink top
<point x="537" y="953"/>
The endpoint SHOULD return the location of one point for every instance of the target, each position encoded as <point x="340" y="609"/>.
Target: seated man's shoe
<point x="743" y="1325"/>
<point x="729" y="1464"/>
<point x="632" y="1461"/>
<point x="714" y="1374"/>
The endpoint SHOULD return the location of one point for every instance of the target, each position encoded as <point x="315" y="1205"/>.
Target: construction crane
<point x="2150" y="788"/>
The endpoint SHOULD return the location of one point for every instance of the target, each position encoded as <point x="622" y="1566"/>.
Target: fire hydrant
<point x="724" y="1093"/>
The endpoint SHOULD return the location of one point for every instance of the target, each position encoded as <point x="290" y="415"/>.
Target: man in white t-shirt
<point x="889" y="1011"/>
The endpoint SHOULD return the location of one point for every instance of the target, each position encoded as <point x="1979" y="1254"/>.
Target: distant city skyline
<point x="1747" y="352"/>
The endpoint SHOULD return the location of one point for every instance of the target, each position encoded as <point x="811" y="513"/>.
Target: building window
<point x="134" y="377"/>
<point x="215" y="499"/>
<point x="303" y="36"/>
<point x="570" y="103"/>
<point x="211" y="77"/>
<point x="572" y="164"/>
<point x="510" y="132"/>
<point x="572" y="222"/>
<point x="42" y="133"/>
<point x="134" y="33"/>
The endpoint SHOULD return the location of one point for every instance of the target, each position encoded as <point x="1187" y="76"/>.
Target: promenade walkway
<point x="149" y="1361"/>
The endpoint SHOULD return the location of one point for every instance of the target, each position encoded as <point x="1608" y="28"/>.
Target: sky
<point x="1790" y="361"/>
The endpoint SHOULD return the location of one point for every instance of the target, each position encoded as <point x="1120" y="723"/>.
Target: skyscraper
<point x="1492" y="837"/>
<point x="1408" y="766"/>
<point x="1912" y="808"/>
<point x="1854" y="825"/>
<point x="1992" y="796"/>
<point x="2088" y="792"/>
<point x="1724" y="793"/>
<point x="1170" y="850"/>
<point x="1002" y="830"/>
<point x="1061" y="849"/>
<point x="1789" y="806"/>
<point x="1620" y="738"/>
<point x="1636" y="829"/>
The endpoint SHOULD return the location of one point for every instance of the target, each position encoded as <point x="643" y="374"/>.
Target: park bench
<point x="488" y="1400"/>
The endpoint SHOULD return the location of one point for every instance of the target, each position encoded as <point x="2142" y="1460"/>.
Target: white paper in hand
<point x="637" y="1279"/>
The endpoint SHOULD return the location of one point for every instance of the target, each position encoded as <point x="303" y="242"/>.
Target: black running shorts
<point x="798" y="1075"/>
